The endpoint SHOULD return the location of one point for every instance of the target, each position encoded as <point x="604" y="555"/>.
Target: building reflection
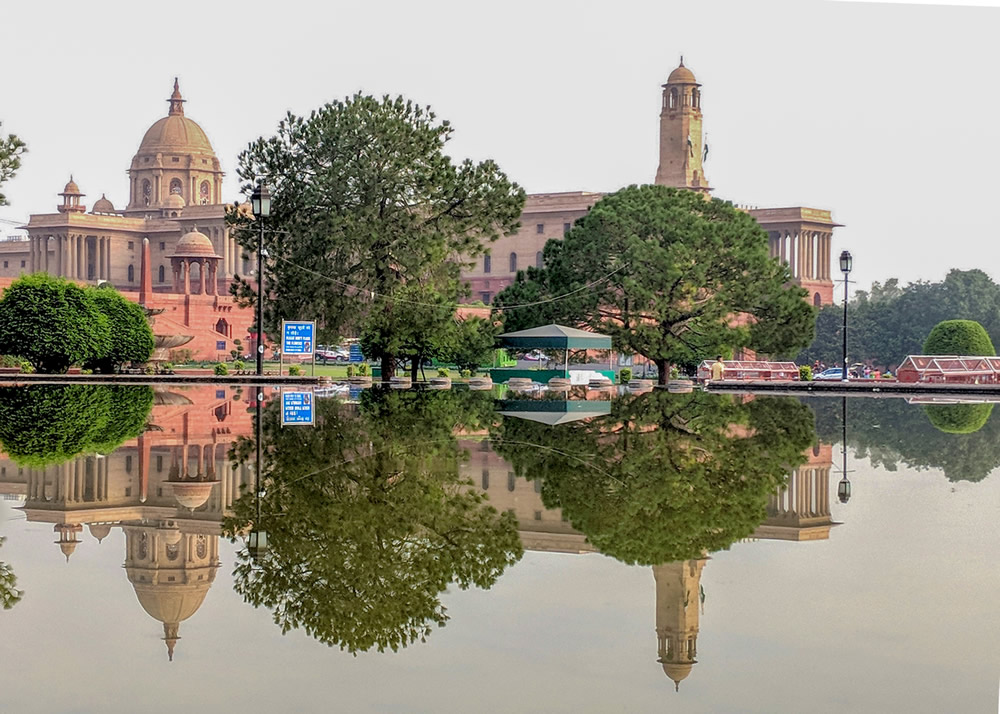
<point x="167" y="491"/>
<point x="797" y="511"/>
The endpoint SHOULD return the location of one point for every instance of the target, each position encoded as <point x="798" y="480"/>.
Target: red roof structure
<point x="949" y="369"/>
<point x="752" y="370"/>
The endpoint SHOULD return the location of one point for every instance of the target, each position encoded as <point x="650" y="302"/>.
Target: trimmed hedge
<point x="959" y="337"/>
<point x="958" y="418"/>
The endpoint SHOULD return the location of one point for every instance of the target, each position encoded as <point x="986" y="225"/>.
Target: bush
<point x="466" y="373"/>
<point x="52" y="323"/>
<point x="805" y="373"/>
<point x="131" y="337"/>
<point x="350" y="370"/>
<point x="239" y="366"/>
<point x="625" y="375"/>
<point x="221" y="369"/>
<point x="958" y="418"/>
<point x="364" y="370"/>
<point x="167" y="367"/>
<point x="294" y="370"/>
<point x="442" y="372"/>
<point x="959" y="337"/>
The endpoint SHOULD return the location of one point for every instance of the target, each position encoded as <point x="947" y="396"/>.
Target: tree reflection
<point x="367" y="519"/>
<point x="49" y="424"/>
<point x="960" y="439"/>
<point x="666" y="477"/>
<point x="9" y="594"/>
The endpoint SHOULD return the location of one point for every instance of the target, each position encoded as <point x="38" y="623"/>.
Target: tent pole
<point x="566" y="363"/>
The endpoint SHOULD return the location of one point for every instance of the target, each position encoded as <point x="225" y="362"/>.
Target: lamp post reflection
<point x="257" y="538"/>
<point x="844" y="487"/>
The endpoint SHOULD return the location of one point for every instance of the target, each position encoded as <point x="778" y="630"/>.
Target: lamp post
<point x="844" y="487"/>
<point x="846" y="263"/>
<point x="260" y="202"/>
<point x="257" y="539"/>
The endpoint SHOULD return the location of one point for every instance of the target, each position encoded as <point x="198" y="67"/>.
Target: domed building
<point x="175" y="190"/>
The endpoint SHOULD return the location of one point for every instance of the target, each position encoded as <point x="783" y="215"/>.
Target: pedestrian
<point x="718" y="369"/>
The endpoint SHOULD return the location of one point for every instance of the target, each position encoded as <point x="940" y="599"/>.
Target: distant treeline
<point x="889" y="322"/>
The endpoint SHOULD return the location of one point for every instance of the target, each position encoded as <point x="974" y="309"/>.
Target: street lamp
<point x="844" y="487"/>
<point x="260" y="202"/>
<point x="257" y="538"/>
<point x="846" y="263"/>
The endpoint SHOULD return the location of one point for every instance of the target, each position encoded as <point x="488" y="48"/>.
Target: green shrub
<point x="364" y="370"/>
<point x="442" y="372"/>
<point x="168" y="367"/>
<point x="52" y="323"/>
<point x="959" y="337"/>
<point x="466" y="373"/>
<point x="675" y="373"/>
<point x="625" y="375"/>
<point x="131" y="337"/>
<point x="294" y="370"/>
<point x="805" y="373"/>
<point x="350" y="370"/>
<point x="239" y="366"/>
<point x="221" y="369"/>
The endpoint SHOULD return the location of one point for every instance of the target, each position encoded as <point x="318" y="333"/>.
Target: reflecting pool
<point x="179" y="549"/>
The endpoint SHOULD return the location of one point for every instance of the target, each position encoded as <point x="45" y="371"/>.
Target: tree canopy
<point x="131" y="337"/>
<point x="668" y="275"/>
<point x="664" y="477"/>
<point x="11" y="150"/>
<point x="49" y="424"/>
<point x="365" y="203"/>
<point x="890" y="321"/>
<point x="368" y="521"/>
<point x="959" y="337"/>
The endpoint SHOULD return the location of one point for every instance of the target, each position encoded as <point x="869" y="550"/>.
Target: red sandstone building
<point x="170" y="249"/>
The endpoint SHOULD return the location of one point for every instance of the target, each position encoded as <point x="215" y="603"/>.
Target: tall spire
<point x="176" y="101"/>
<point x="170" y="636"/>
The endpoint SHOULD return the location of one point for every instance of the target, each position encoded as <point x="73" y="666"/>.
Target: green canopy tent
<point x="559" y="337"/>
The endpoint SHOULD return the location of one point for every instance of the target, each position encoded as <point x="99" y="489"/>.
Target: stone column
<point x="202" y="283"/>
<point x="35" y="255"/>
<point x="81" y="257"/>
<point x="225" y="252"/>
<point x="186" y="269"/>
<point x="107" y="259"/>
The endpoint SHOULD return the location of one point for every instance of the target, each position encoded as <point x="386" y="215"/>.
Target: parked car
<point x="535" y="356"/>
<point x="835" y="374"/>
<point x="335" y="355"/>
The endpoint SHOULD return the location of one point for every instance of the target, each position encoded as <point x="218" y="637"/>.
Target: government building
<point x="170" y="250"/>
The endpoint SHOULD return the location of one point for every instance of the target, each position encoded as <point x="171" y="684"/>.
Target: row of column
<point x="807" y="494"/>
<point x="69" y="481"/>
<point x="68" y="255"/>
<point x="208" y="283"/>
<point x="232" y="256"/>
<point x="806" y="252"/>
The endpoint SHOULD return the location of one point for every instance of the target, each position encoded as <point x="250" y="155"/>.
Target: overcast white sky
<point x="884" y="113"/>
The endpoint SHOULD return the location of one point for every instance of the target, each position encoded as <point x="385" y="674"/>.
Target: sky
<point x="884" y="113"/>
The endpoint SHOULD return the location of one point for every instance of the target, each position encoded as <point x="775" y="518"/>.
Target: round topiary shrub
<point x="958" y="418"/>
<point x="959" y="337"/>
<point x="221" y="369"/>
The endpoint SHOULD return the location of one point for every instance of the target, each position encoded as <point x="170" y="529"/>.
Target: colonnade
<point x="72" y="255"/>
<point x="81" y="480"/>
<point x="807" y="252"/>
<point x="806" y="495"/>
<point x="208" y="283"/>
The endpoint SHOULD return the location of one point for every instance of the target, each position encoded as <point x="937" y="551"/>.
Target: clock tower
<point x="682" y="144"/>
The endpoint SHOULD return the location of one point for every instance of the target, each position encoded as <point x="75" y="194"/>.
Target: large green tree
<point x="52" y="323"/>
<point x="669" y="275"/>
<point x="11" y="149"/>
<point x="664" y="477"/>
<point x="368" y="521"/>
<point x="364" y="202"/>
<point x="131" y="337"/>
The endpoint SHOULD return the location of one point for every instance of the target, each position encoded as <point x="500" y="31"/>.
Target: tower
<point x="682" y="144"/>
<point x="678" y="602"/>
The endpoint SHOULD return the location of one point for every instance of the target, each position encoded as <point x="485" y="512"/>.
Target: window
<point x="513" y="262"/>
<point x="487" y="263"/>
<point x="566" y="227"/>
<point x="162" y="274"/>
<point x="817" y="300"/>
<point x="538" y="259"/>
<point x="175" y="159"/>
<point x="131" y="273"/>
<point x="538" y="515"/>
<point x="511" y="480"/>
<point x="673" y="98"/>
<point x="485" y="297"/>
<point x="22" y="263"/>
<point x="539" y="228"/>
<point x="163" y="246"/>
<point x="159" y="462"/>
<point x="128" y="464"/>
<point x="131" y="245"/>
<point x="175" y="186"/>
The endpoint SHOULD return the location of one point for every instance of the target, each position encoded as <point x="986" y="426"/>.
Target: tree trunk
<point x="414" y="365"/>
<point x="388" y="367"/>
<point x="662" y="374"/>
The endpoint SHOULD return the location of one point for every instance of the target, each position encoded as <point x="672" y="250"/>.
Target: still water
<point x="454" y="551"/>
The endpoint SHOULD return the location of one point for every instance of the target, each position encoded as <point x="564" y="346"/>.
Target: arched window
<point x="817" y="301"/>
<point x="176" y="186"/>
<point x="222" y="327"/>
<point x="487" y="263"/>
<point x="673" y="98"/>
<point x="162" y="274"/>
<point x="204" y="193"/>
<point x="695" y="98"/>
<point x="147" y="192"/>
<point x="201" y="546"/>
<point x="131" y="273"/>
<point x="513" y="262"/>
<point x="538" y="259"/>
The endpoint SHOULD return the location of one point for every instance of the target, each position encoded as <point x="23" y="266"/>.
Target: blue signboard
<point x="298" y="338"/>
<point x="356" y="355"/>
<point x="297" y="408"/>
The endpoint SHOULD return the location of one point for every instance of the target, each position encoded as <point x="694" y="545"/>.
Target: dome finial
<point x="682" y="64"/>
<point x="176" y="101"/>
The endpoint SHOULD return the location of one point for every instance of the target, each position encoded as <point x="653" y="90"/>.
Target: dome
<point x="174" y="200"/>
<point x="71" y="189"/>
<point x="99" y="530"/>
<point x="677" y="672"/>
<point x="194" y="245"/>
<point x="103" y="205"/>
<point x="172" y="602"/>
<point x="681" y="75"/>
<point x="175" y="133"/>
<point x="192" y="494"/>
